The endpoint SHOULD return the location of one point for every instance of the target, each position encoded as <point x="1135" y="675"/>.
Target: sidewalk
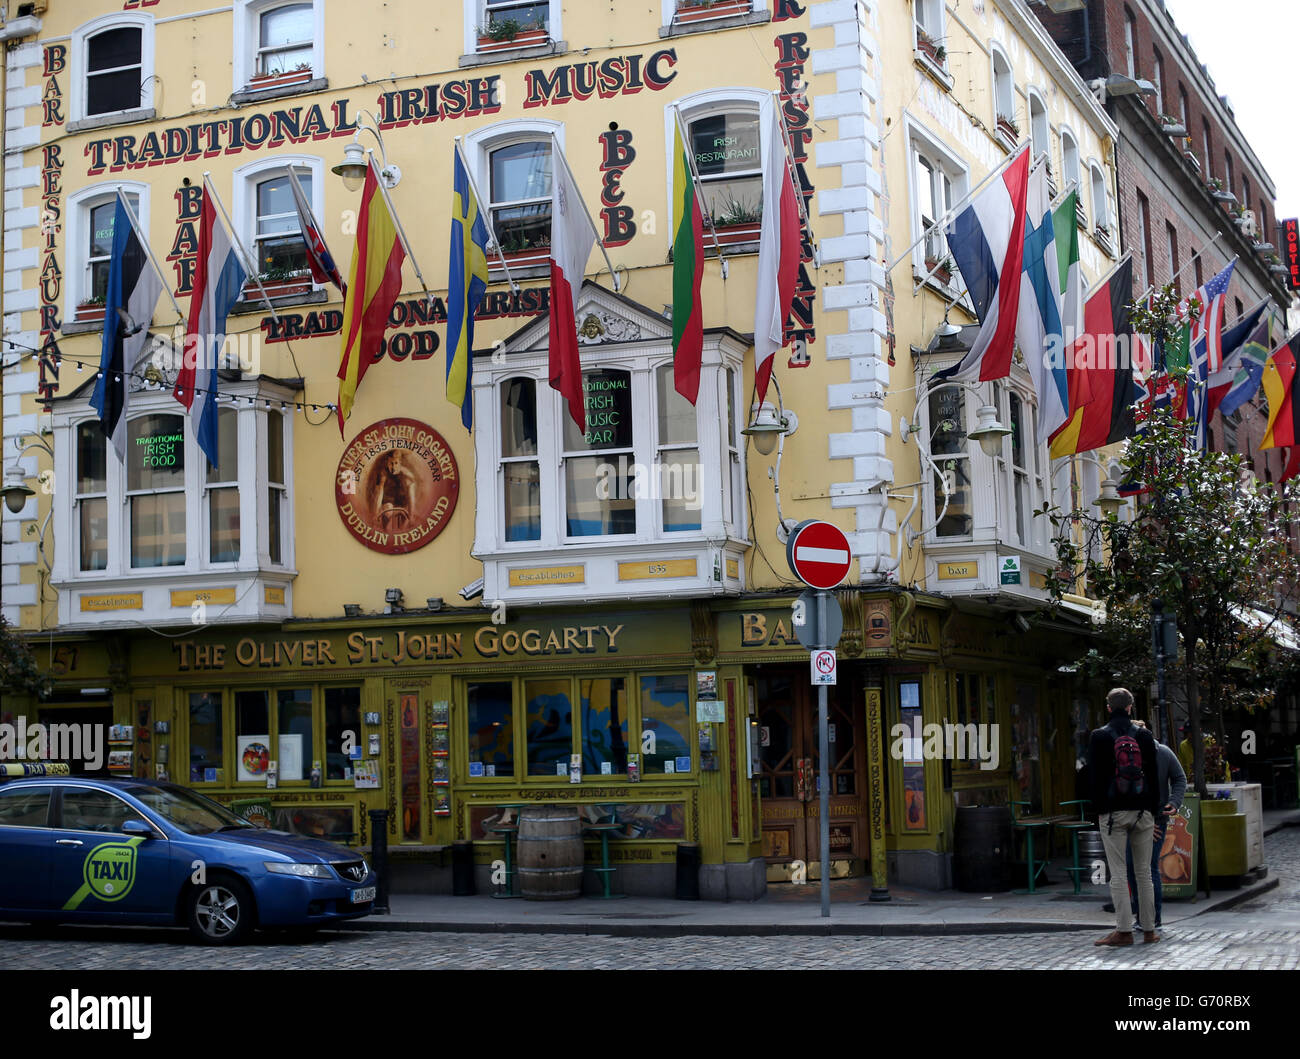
<point x="787" y="909"/>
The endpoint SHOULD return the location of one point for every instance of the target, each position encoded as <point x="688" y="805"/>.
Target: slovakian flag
<point x="688" y="271"/>
<point x="133" y="291"/>
<point x="987" y="240"/>
<point x="467" y="281"/>
<point x="1102" y="384"/>
<point x="572" y="237"/>
<point x="319" y="258"/>
<point x="375" y="281"/>
<point x="780" y="247"/>
<point x="1245" y="349"/>
<point x="218" y="281"/>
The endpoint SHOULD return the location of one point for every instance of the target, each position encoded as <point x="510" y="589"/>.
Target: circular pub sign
<point x="397" y="485"/>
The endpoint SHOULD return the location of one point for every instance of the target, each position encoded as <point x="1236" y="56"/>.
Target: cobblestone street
<point x="1263" y="934"/>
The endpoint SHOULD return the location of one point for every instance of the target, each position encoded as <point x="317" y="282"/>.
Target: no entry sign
<point x="818" y="553"/>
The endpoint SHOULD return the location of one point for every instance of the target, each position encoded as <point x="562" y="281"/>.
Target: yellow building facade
<point x="446" y="623"/>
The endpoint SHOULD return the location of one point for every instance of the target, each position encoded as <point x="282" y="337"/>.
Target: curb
<point x="1246" y="893"/>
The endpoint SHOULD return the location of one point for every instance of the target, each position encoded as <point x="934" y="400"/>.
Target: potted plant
<point x="698" y="10"/>
<point x="504" y="34"/>
<point x="519" y="249"/>
<point x="940" y="269"/>
<point x="1218" y="192"/>
<point x="278" y="75"/>
<point x="1171" y="126"/>
<point x="930" y="48"/>
<point x="1008" y="129"/>
<point x="737" y="222"/>
<point x="90" y="309"/>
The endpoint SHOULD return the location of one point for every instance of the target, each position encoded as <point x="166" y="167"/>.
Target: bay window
<point x="92" y="497"/>
<point x="594" y="505"/>
<point x="221" y="488"/>
<point x="155" y="489"/>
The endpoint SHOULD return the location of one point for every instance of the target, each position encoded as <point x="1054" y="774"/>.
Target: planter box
<point x="1177" y="131"/>
<point x="293" y="77"/>
<point x="523" y="39"/>
<point x="735" y="233"/>
<point x="538" y="255"/>
<point x="941" y="274"/>
<point x="278" y="288"/>
<point x="1008" y="130"/>
<point x="719" y="9"/>
<point x="89" y="313"/>
<point x="1223" y="196"/>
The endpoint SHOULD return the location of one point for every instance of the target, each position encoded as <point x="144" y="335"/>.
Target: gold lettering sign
<point x="960" y="571"/>
<point x="733" y="569"/>
<point x="522" y="577"/>
<point x="273" y="595"/>
<point x="123" y="601"/>
<point x="1037" y="580"/>
<point x="642" y="571"/>
<point x="189" y="596"/>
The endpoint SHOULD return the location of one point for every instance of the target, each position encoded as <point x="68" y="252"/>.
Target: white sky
<point x="1248" y="47"/>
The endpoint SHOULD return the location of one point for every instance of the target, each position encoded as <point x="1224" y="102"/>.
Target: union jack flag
<point x="319" y="259"/>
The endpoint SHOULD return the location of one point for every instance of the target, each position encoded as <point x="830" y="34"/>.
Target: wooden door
<point x="788" y="748"/>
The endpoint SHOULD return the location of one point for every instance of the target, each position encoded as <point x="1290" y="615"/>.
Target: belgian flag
<point x="1100" y="378"/>
<point x="1280" y="381"/>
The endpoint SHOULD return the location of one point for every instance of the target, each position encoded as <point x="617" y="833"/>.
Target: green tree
<point x="18" y="669"/>
<point x="1213" y="545"/>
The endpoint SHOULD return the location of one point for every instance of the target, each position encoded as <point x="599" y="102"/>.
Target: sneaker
<point x="1115" y="938"/>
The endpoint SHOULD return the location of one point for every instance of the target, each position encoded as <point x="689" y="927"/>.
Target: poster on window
<point x="252" y="758"/>
<point x="291" y="763"/>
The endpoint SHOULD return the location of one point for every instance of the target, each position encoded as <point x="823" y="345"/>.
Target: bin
<point x="981" y="861"/>
<point x="688" y="871"/>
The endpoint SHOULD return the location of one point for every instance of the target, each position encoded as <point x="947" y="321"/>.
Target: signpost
<point x="819" y="555"/>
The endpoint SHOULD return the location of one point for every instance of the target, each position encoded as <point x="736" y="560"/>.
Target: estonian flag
<point x="133" y="290"/>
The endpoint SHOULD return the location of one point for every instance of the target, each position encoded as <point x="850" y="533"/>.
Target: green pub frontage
<point x="686" y="724"/>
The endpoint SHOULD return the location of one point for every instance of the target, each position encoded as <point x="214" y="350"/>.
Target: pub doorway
<point x="786" y="704"/>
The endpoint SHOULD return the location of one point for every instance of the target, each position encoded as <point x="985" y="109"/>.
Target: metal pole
<point x="1158" y="634"/>
<point x="823" y="772"/>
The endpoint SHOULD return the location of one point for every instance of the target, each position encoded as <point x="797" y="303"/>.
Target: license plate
<point x="361" y="896"/>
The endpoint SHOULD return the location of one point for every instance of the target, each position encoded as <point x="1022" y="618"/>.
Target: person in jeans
<point x="1126" y="795"/>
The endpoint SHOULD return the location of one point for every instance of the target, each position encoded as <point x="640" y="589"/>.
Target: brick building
<point x="1185" y="174"/>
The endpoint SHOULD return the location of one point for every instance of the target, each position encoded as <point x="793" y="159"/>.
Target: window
<point x="519" y="196"/>
<point x="677" y="455"/>
<point x="112" y="70"/>
<point x="206" y="732"/>
<point x="276" y="493"/>
<point x="1099" y="194"/>
<point x="91" y="213"/>
<point x="1182" y="107"/>
<point x="1071" y="173"/>
<point x="526" y="15"/>
<point x="1022" y="478"/>
<point x="611" y="707"/>
<point x="278" y="245"/>
<point x="279" y="46"/>
<point x="156" y="489"/>
<point x="934" y="193"/>
<point x="1227" y="171"/>
<point x="1130" y="43"/>
<point x="1205" y="146"/>
<point x="503" y="25"/>
<point x="25" y="807"/>
<point x="522" y="500"/>
<point x="85" y="809"/>
<point x="265" y="214"/>
<point x="1245" y="198"/>
<point x="342" y="719"/>
<point x="938" y="181"/>
<point x="1171" y="238"/>
<point x="92" y="497"/>
<point x="221" y="489"/>
<point x="1144" y="237"/>
<point x="950" y="452"/>
<point x="929" y="18"/>
<point x="592" y="508"/>
<point x="1200" y="278"/>
<point x="1040" y="136"/>
<point x="1158" y="78"/>
<point x="729" y="162"/>
<point x="1004" y="94"/>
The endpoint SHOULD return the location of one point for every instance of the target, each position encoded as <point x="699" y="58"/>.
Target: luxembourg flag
<point x="218" y="279"/>
<point x="987" y="240"/>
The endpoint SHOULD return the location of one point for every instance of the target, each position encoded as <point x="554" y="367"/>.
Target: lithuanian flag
<point x="373" y="286"/>
<point x="688" y="268"/>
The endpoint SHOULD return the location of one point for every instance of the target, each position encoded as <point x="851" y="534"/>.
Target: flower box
<point x="528" y="258"/>
<point x="523" y="39"/>
<point x="731" y="234"/>
<point x="1008" y="129"/>
<point x="697" y="11"/>
<point x="938" y="271"/>
<point x="88" y="312"/>
<point x="277" y="288"/>
<point x="279" y="80"/>
<point x="936" y="53"/>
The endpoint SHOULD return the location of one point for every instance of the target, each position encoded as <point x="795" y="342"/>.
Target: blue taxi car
<point x="145" y="852"/>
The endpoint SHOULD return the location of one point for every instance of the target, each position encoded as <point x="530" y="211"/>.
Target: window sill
<point x="496" y="274"/>
<point x="121" y="117"/>
<point x="683" y="29"/>
<point x="936" y="72"/>
<point x="298" y="88"/>
<point x="524" y="51"/>
<point x="248" y="306"/>
<point x="81" y="327"/>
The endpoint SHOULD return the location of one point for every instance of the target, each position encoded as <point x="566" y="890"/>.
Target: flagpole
<point x="487" y="218"/>
<point x="557" y="152"/>
<point x="789" y="164"/>
<point x="249" y="263"/>
<point x="699" y="191"/>
<point x="954" y="210"/>
<point x="401" y="232"/>
<point x="135" y="225"/>
<point x="1217" y="237"/>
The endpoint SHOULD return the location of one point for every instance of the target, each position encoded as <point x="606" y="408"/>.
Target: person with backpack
<point x="1126" y="795"/>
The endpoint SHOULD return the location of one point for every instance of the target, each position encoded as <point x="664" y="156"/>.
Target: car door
<point x="100" y="873"/>
<point x="26" y="847"/>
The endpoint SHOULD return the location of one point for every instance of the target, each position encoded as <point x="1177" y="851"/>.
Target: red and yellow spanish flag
<point x="688" y="269"/>
<point x="373" y="286"/>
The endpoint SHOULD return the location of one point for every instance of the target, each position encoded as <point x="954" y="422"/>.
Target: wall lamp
<point x="393" y="597"/>
<point x="769" y="429"/>
<point x="353" y="167"/>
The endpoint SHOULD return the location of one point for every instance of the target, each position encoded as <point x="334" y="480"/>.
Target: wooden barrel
<point x="550" y="852"/>
<point x="1092" y="852"/>
<point x="982" y="849"/>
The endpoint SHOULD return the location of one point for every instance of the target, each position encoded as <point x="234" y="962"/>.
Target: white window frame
<point x="476" y="15"/>
<point x="921" y="142"/>
<point x="1003" y="85"/>
<point x="77" y="95"/>
<point x="1071" y="170"/>
<point x="1040" y="125"/>
<point x="247" y="38"/>
<point x="478" y="147"/>
<point x="80" y="497"/>
<point x="244" y="199"/>
<point x="1130" y="43"/>
<point x="668" y="10"/>
<point x="79" y="205"/>
<point x="702" y="105"/>
<point x="1100" y="195"/>
<point x="1158" y="78"/>
<point x="928" y="16"/>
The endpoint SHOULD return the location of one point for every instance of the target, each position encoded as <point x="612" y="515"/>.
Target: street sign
<point x="1010" y="569"/>
<point x="817" y="626"/>
<point x="818" y="553"/>
<point x="823" y="667"/>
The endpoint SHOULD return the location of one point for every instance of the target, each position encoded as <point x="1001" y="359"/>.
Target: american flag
<point x="1207" y="329"/>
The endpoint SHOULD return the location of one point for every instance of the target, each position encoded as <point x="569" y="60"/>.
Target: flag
<point x="133" y="290"/>
<point x="688" y="269"/>
<point x="1279" y="388"/>
<point x="218" y="281"/>
<point x="1207" y="329"/>
<point x="1106" y="415"/>
<point x="1038" y="321"/>
<point x="375" y="281"/>
<point x="319" y="258"/>
<point x="1245" y="348"/>
<point x="780" y="247"/>
<point x="572" y="237"/>
<point x="987" y="241"/>
<point x="468" y="279"/>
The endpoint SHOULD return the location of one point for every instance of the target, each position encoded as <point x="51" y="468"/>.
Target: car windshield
<point x="192" y="813"/>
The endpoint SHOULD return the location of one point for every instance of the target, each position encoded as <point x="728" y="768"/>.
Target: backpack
<point x="1128" y="783"/>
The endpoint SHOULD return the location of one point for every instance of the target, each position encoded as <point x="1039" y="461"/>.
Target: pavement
<point x="787" y="909"/>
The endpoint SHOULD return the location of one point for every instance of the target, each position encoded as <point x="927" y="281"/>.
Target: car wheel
<point x="220" y="911"/>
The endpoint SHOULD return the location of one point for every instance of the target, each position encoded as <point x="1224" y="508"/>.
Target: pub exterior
<point x="449" y="624"/>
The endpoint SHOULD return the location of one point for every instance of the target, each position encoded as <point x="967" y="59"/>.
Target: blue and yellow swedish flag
<point x="468" y="281"/>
